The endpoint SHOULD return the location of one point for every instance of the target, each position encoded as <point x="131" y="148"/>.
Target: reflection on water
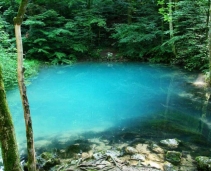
<point x="68" y="100"/>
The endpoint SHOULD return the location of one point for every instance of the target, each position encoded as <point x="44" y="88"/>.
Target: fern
<point x="79" y="47"/>
<point x="42" y="51"/>
<point x="30" y="22"/>
<point x="39" y="40"/>
<point x="59" y="55"/>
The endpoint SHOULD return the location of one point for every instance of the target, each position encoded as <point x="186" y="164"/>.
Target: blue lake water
<point x="92" y="96"/>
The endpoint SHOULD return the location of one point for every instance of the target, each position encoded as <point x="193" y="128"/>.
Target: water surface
<point x="84" y="97"/>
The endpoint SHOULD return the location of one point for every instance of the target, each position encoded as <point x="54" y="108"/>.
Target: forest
<point x="55" y="33"/>
<point x="62" y="32"/>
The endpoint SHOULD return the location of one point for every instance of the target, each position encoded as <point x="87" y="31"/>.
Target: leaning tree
<point x="28" y="123"/>
<point x="8" y="142"/>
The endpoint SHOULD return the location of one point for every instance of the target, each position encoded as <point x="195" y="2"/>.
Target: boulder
<point x="173" y="157"/>
<point x="140" y="157"/>
<point x="85" y="155"/>
<point x="47" y="160"/>
<point x="203" y="163"/>
<point x="155" y="148"/>
<point x="113" y="153"/>
<point x="169" y="167"/>
<point x="171" y="143"/>
<point x="130" y="150"/>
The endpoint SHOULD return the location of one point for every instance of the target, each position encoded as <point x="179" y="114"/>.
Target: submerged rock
<point x="85" y="155"/>
<point x="130" y="150"/>
<point x="46" y="155"/>
<point x="138" y="157"/>
<point x="47" y="160"/>
<point x="169" y="167"/>
<point x="173" y="157"/>
<point x="155" y="148"/>
<point x="203" y="163"/>
<point x="98" y="156"/>
<point x="113" y="153"/>
<point x="171" y="143"/>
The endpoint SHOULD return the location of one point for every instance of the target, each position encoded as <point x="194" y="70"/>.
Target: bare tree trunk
<point x="171" y="28"/>
<point x="209" y="46"/>
<point x="28" y="123"/>
<point x="8" y="143"/>
<point x="129" y="12"/>
<point x="208" y="18"/>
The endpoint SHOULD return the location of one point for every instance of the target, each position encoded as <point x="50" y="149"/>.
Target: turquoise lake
<point x="95" y="97"/>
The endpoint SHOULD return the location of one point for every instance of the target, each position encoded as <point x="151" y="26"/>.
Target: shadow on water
<point x="153" y="128"/>
<point x="118" y="102"/>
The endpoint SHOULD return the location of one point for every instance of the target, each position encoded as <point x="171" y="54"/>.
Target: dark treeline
<point x="164" y="31"/>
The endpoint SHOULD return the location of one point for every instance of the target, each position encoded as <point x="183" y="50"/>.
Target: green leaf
<point x="79" y="47"/>
<point x="59" y="55"/>
<point x="40" y="40"/>
<point x="33" y="22"/>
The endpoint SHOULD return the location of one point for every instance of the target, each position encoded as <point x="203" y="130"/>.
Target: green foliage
<point x="133" y="38"/>
<point x="51" y="37"/>
<point x="164" y="10"/>
<point x="190" y="35"/>
<point x="8" y="60"/>
<point x="139" y="38"/>
<point x="61" y="32"/>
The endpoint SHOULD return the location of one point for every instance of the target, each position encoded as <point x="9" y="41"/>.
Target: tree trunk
<point x="209" y="46"/>
<point x="162" y="26"/>
<point x="28" y="123"/>
<point x="8" y="143"/>
<point x="171" y="28"/>
<point x="129" y="12"/>
<point x="207" y="19"/>
<point x="89" y="4"/>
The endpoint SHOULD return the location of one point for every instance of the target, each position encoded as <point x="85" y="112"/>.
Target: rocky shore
<point x="138" y="144"/>
<point x="144" y="145"/>
<point x="138" y="155"/>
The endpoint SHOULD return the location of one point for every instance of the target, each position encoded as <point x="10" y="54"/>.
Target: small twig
<point x="79" y="161"/>
<point x="60" y="168"/>
<point x="115" y="162"/>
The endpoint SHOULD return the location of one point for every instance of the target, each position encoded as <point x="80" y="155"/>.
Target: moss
<point x="167" y="126"/>
<point x="203" y="163"/>
<point x="46" y="155"/>
<point x="199" y="139"/>
<point x="173" y="157"/>
<point x="8" y="142"/>
<point x="79" y="146"/>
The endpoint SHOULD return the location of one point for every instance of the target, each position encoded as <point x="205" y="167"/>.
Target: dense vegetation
<point x="60" y="32"/>
<point x="8" y="59"/>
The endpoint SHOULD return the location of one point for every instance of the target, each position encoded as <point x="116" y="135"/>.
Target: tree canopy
<point x="61" y="32"/>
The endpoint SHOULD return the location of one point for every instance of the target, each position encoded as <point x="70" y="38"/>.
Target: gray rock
<point x="171" y="143"/>
<point x="203" y="163"/>
<point x="155" y="148"/>
<point x="47" y="160"/>
<point x="140" y="157"/>
<point x="113" y="153"/>
<point x="130" y="150"/>
<point x="97" y="156"/>
<point x="169" y="167"/>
